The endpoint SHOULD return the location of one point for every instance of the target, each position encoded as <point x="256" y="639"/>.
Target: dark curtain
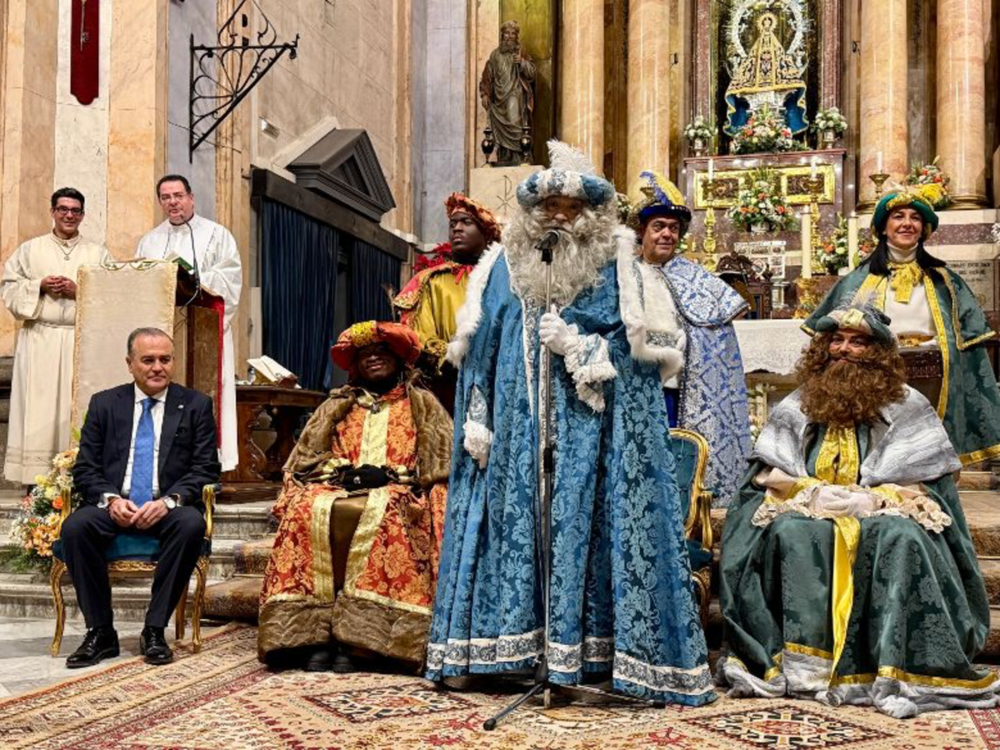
<point x="298" y="278"/>
<point x="372" y="270"/>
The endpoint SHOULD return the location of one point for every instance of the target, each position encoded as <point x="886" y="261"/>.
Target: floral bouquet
<point x="931" y="174"/>
<point x="866" y="246"/>
<point x="37" y="524"/>
<point x="833" y="252"/>
<point x="759" y="202"/>
<point x="764" y="131"/>
<point x="829" y="119"/>
<point x="698" y="130"/>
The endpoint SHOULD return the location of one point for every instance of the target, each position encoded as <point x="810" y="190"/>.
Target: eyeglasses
<point x="64" y="210"/>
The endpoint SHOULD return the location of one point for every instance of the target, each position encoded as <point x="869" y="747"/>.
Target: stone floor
<point x="25" y="663"/>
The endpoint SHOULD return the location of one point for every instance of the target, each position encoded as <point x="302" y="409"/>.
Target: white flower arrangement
<point x="764" y="132"/>
<point x="829" y="119"/>
<point x="698" y="130"/>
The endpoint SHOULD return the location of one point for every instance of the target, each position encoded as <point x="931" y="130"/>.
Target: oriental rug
<point x="223" y="699"/>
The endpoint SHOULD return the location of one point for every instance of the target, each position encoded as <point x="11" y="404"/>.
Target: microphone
<point x="549" y="240"/>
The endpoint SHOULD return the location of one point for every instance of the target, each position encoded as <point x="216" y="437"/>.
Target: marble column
<point x="961" y="104"/>
<point x="137" y="121"/>
<point x="883" y="92"/>
<point x="581" y="79"/>
<point x="648" y="88"/>
<point x="29" y="57"/>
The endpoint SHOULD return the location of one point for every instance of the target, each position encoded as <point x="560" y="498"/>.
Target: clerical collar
<point x="71" y="242"/>
<point x="901" y="256"/>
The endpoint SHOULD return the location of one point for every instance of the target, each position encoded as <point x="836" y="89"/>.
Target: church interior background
<point x="331" y="166"/>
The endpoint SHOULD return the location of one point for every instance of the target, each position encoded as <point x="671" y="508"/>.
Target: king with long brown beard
<point x="848" y="573"/>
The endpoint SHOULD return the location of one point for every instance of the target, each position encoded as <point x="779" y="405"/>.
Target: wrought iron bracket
<point x="223" y="75"/>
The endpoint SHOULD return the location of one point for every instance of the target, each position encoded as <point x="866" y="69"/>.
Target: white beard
<point x="584" y="248"/>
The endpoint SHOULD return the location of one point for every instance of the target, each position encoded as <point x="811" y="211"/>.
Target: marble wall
<point x="439" y="138"/>
<point x="347" y="68"/>
<point x="27" y="149"/>
<point x="81" y="132"/>
<point x="196" y="17"/>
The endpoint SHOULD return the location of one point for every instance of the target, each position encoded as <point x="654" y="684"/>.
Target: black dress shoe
<point x="153" y="645"/>
<point x="319" y="659"/>
<point x="99" y="643"/>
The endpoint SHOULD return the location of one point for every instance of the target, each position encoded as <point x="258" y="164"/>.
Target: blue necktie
<point x="142" y="456"/>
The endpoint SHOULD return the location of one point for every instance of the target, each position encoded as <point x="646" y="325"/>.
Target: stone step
<point x="235" y="599"/>
<point x="29" y="595"/>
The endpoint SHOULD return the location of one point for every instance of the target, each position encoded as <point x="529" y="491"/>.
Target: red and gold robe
<point x="391" y="573"/>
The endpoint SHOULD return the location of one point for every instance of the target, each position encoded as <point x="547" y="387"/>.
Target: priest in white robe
<point x="210" y="249"/>
<point x="39" y="290"/>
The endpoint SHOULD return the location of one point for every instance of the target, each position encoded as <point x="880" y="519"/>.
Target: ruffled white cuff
<point x="589" y="362"/>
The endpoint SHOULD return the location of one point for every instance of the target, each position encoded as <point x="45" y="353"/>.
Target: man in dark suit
<point x="146" y="450"/>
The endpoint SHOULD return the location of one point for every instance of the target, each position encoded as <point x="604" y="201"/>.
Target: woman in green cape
<point x="930" y="306"/>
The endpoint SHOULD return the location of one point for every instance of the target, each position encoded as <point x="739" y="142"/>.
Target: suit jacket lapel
<point x="173" y="410"/>
<point x="123" y="413"/>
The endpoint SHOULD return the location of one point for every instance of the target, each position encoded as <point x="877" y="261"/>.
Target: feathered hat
<point x="655" y="195"/>
<point x="571" y="175"/>
<point x="919" y="197"/>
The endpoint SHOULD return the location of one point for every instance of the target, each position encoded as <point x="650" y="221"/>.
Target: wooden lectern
<point x="115" y="299"/>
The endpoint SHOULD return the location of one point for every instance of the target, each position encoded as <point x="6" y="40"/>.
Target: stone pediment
<point x="343" y="166"/>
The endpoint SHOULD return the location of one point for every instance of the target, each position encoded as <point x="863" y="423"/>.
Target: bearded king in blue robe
<point x="622" y="605"/>
<point x="680" y="316"/>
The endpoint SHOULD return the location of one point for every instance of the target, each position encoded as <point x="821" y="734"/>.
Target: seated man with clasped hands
<point x="146" y="451"/>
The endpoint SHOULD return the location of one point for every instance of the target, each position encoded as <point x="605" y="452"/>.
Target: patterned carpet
<point x="224" y="699"/>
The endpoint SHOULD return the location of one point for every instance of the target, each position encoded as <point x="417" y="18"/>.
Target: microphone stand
<point x="543" y="526"/>
<point x="194" y="262"/>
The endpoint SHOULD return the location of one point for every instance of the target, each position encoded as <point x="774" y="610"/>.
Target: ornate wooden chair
<point x="133" y="555"/>
<point x="690" y="457"/>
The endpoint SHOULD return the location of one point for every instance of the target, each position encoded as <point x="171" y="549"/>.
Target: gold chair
<point x="131" y="556"/>
<point x="690" y="458"/>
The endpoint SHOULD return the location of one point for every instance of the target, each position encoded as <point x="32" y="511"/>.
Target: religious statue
<point x="506" y="91"/>
<point x="769" y="75"/>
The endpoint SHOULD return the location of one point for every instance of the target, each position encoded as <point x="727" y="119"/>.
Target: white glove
<point x="835" y="500"/>
<point x="555" y="333"/>
<point x="858" y="504"/>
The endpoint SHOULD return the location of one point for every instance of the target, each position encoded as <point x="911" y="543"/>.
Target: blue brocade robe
<point x="713" y="392"/>
<point x="621" y="597"/>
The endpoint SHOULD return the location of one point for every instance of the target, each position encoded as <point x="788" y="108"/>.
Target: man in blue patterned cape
<point x="679" y="316"/>
<point x="621" y="599"/>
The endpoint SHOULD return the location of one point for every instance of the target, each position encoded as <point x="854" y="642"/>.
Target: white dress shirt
<point x="157" y="413"/>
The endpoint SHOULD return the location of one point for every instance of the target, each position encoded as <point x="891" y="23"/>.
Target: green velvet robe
<point x="919" y="612"/>
<point x="970" y="404"/>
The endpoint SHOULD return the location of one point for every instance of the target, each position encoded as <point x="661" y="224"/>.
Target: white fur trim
<point x="469" y="314"/>
<point x="478" y="441"/>
<point x="587" y="374"/>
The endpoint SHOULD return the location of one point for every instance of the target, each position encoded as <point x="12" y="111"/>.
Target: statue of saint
<point x="768" y="75"/>
<point x="506" y="91"/>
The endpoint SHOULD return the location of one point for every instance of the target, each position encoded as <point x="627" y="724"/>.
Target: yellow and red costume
<point x="431" y="299"/>
<point x="359" y="566"/>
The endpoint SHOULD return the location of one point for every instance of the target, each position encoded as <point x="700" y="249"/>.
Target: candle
<point x="812" y="168"/>
<point x="852" y="239"/>
<point x="878" y="163"/>
<point x="711" y="169"/>
<point x="806" y="219"/>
